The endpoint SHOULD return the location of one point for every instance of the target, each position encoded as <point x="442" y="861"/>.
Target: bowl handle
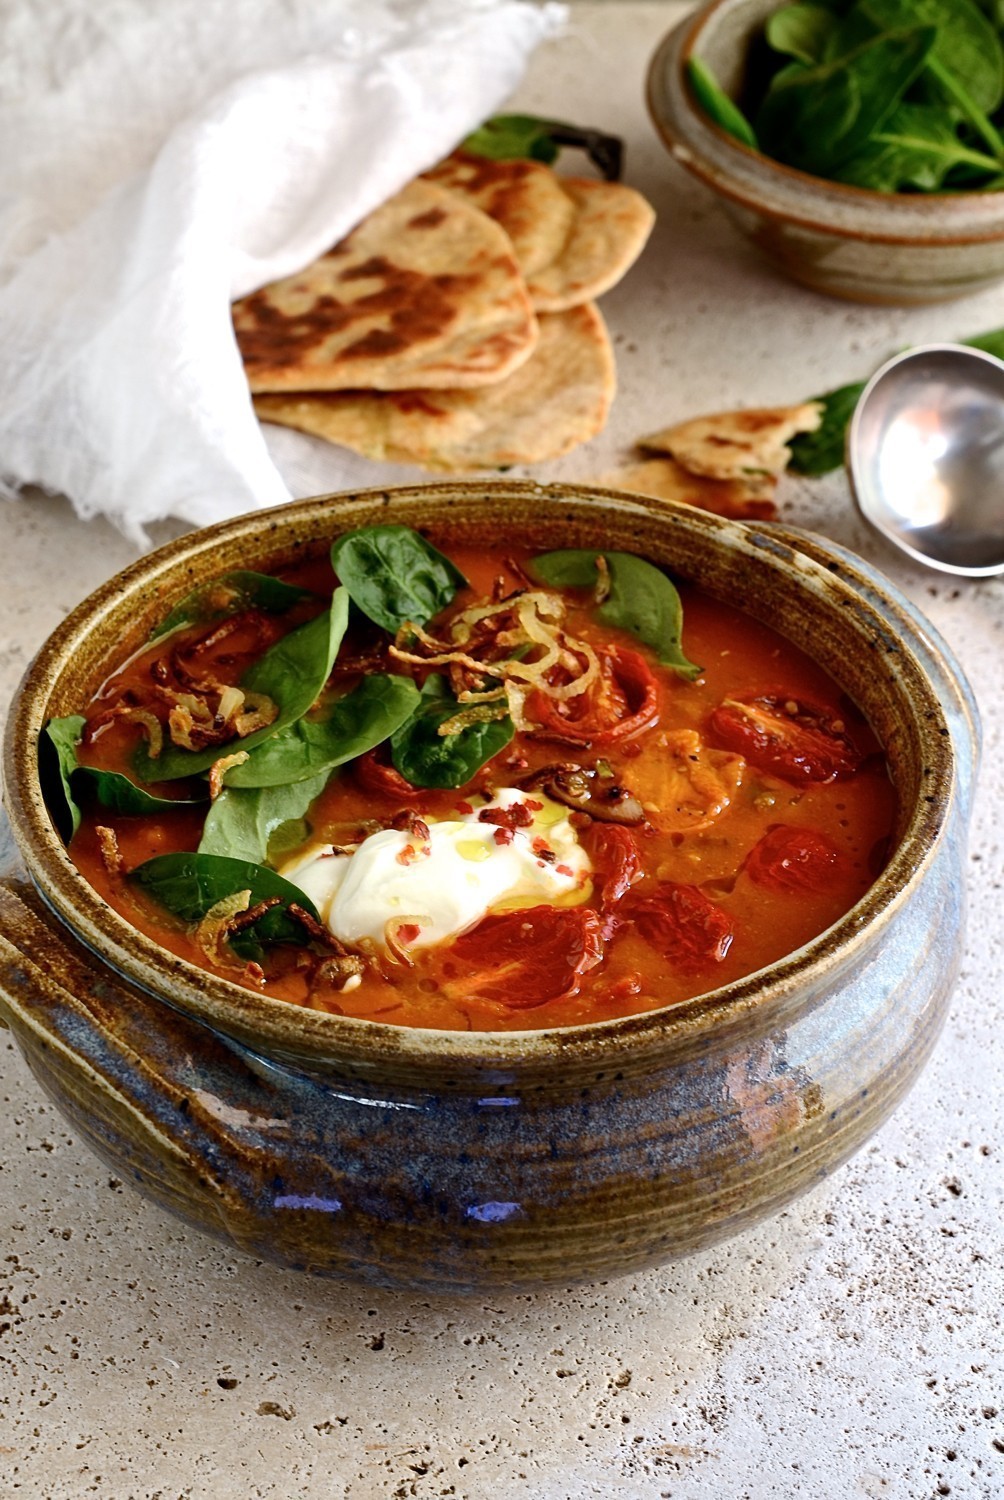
<point x="935" y="654"/>
<point x="155" y="1094"/>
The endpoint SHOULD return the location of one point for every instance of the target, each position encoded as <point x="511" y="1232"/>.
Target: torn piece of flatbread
<point x="425" y="292"/>
<point x="559" y="398"/>
<point x="608" y="233"/>
<point x="747" y="499"/>
<point x="524" y="197"/>
<point x="736" y="444"/>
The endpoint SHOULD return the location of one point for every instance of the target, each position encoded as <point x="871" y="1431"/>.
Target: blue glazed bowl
<point x="448" y="1161"/>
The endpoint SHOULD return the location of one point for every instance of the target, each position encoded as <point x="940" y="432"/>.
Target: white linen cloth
<point x="158" y="165"/>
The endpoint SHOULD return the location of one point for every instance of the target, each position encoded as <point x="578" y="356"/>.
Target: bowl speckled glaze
<point x="847" y="241"/>
<point x="452" y="1161"/>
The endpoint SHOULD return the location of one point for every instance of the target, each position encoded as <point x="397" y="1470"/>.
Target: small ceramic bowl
<point x="850" y="242"/>
<point x="461" y="1161"/>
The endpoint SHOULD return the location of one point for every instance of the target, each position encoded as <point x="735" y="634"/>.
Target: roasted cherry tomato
<point x="793" y="739"/>
<point x="686" y="927"/>
<point x="616" y="860"/>
<point x="623" y="699"/>
<point x="525" y="958"/>
<point x="793" y="859"/>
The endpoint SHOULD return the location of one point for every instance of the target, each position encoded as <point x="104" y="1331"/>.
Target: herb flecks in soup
<point x="471" y="791"/>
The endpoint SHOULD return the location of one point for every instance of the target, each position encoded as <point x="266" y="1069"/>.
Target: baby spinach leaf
<point x="801" y="31"/>
<point x="966" y="47"/>
<point x="717" y="105"/>
<point x="120" y="795"/>
<point x="242" y="820"/>
<point x="351" y="726"/>
<point x="990" y="343"/>
<point x="508" y="137"/>
<point x="917" y="147"/>
<point x="292" y="673"/>
<point x="427" y="758"/>
<point x="641" y="598"/>
<point x="816" y="118"/>
<point x="61" y="775"/>
<point x="394" y="575"/>
<point x="817" y="453"/>
<point x="189" y="885"/>
<point x="57" y="761"/>
<point x="228" y="595"/>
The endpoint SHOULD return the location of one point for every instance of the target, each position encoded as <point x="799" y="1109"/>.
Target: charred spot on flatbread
<point x="558" y="398"/>
<point x="525" y="198"/>
<point x="424" y="292"/>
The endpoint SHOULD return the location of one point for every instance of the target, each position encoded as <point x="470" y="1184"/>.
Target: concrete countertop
<point x="852" y="1346"/>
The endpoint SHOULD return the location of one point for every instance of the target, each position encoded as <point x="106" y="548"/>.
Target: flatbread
<point x="524" y="197"/>
<point x="736" y="444"/>
<point x="608" y="233"/>
<point x="664" y="479"/>
<point x="559" y="398"/>
<point x="425" y="292"/>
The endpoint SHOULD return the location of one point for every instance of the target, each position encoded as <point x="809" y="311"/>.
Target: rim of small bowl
<point x="686" y="36"/>
<point x="325" y="1038"/>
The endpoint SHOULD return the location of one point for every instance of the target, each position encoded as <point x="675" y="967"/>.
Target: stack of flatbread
<point x="728" y="463"/>
<point x="455" y="327"/>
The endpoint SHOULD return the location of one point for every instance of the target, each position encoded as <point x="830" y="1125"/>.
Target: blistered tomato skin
<point x="525" y="958"/>
<point x="624" y="700"/>
<point x="793" y="859"/>
<point x="616" y="861"/>
<point x="684" y="925"/>
<point x="787" y="737"/>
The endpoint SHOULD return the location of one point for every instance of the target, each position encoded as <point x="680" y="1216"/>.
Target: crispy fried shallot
<point x="219" y="769"/>
<point x="497" y="652"/>
<point x="111" y="854"/>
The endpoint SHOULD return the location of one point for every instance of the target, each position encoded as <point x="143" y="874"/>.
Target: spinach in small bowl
<point x="899" y="96"/>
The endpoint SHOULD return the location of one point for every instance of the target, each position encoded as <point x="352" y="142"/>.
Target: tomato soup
<point x="471" y="790"/>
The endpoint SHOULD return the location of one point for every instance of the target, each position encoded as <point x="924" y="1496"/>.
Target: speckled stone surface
<point x="852" y="1347"/>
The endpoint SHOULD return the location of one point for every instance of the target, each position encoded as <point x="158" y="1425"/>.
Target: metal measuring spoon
<point x="925" y="450"/>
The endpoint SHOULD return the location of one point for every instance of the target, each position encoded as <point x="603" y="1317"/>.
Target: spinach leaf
<point x="394" y="575"/>
<point x="990" y="343"/>
<point x="242" y="820"/>
<point x="427" y="758"/>
<point x="509" y="137"/>
<point x="817" y="453"/>
<point x="717" y="105"/>
<point x="801" y="31"/>
<point x="292" y="673"/>
<point x="641" y="598"/>
<point x="228" y="595"/>
<point x="120" y="795"/>
<point x="189" y="885"/>
<point x="60" y="775"/>
<point x="351" y="726"/>
<point x="57" y="761"/>
<point x="916" y="148"/>
<point x="967" y="49"/>
<point x="816" y="118"/>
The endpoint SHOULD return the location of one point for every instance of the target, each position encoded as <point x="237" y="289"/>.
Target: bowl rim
<point x="240" y="1013"/>
<point x="685" y="38"/>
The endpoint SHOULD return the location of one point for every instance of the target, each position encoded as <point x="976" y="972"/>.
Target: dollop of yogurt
<point x="427" y="890"/>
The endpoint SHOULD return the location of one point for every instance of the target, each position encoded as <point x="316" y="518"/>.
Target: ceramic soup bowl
<point x="459" y="1161"/>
